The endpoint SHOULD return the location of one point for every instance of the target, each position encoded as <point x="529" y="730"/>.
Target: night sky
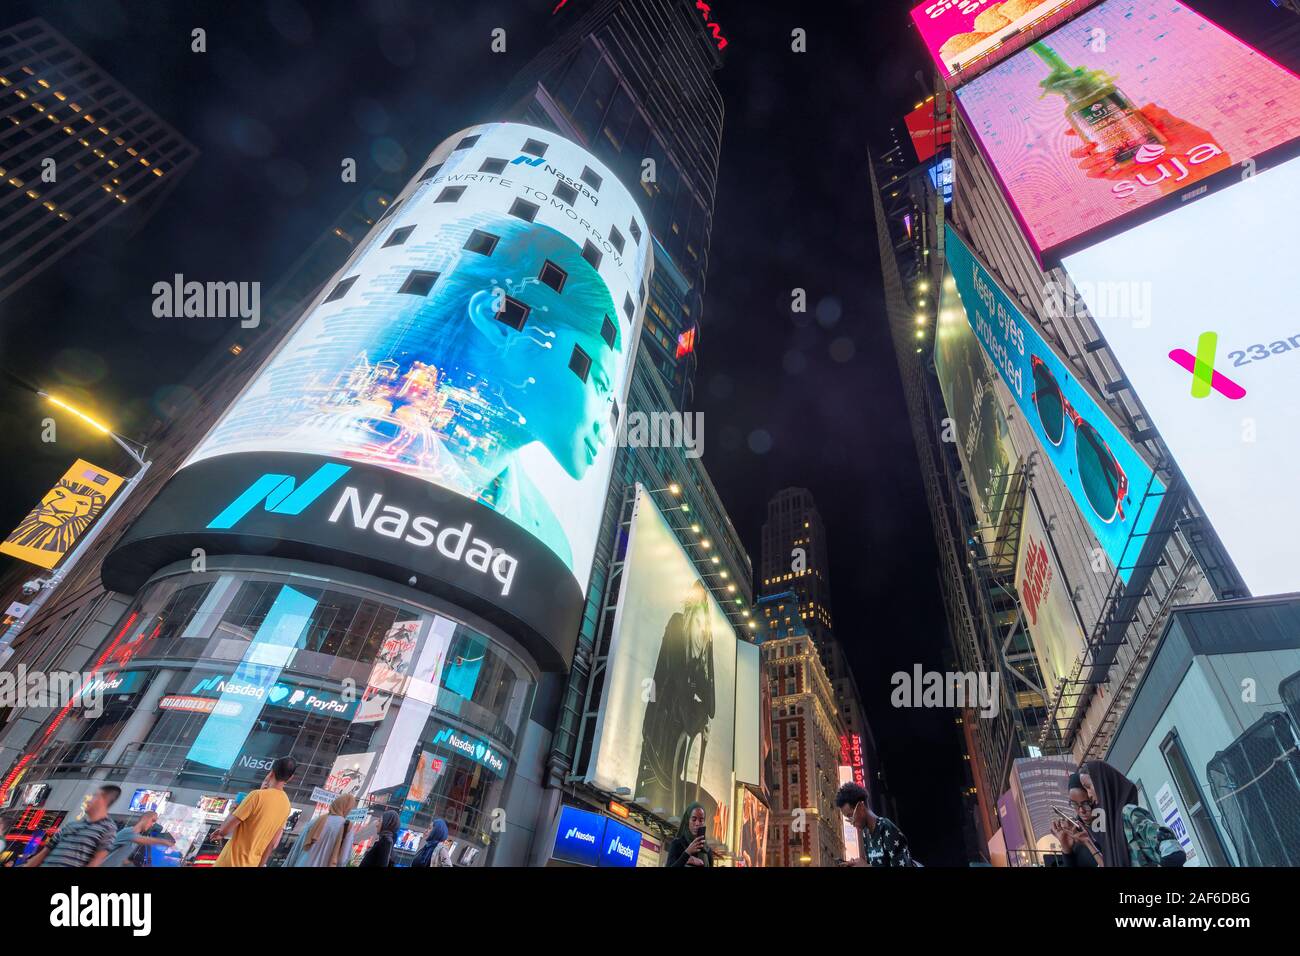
<point x="288" y="89"/>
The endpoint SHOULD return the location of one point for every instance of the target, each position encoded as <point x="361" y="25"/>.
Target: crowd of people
<point x="250" y="834"/>
<point x="1105" y="826"/>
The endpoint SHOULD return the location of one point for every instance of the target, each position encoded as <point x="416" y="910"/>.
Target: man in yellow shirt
<point x="257" y="824"/>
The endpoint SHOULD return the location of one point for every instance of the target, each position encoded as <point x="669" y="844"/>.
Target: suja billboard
<point x="666" y="725"/>
<point x="1217" y="361"/>
<point x="1115" y="489"/>
<point x="1131" y="108"/>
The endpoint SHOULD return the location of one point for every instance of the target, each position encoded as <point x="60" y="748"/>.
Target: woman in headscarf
<point x="323" y="843"/>
<point x="1100" y="793"/>
<point x="689" y="847"/>
<point x="437" y="848"/>
<point x="381" y="853"/>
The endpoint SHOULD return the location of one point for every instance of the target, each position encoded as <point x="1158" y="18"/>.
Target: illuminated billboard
<point x="1053" y="624"/>
<point x="751" y="841"/>
<point x="1217" y="361"/>
<point x="926" y="131"/>
<point x="1113" y="486"/>
<point x="51" y="529"/>
<point x="976" y="423"/>
<point x="445" y="412"/>
<point x="965" y="36"/>
<point x="1128" y="110"/>
<point x="666" y="725"/>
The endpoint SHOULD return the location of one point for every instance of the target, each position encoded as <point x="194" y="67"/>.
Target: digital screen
<point x="1114" y="488"/>
<point x="941" y="178"/>
<point x="1132" y="102"/>
<point x="926" y="132"/>
<point x="973" y="34"/>
<point x="665" y="729"/>
<point x="578" y="838"/>
<point x="480" y="341"/>
<point x="1049" y="615"/>
<point x="1215" y="357"/>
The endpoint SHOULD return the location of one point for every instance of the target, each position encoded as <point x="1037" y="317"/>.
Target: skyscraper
<point x="77" y="151"/>
<point x="632" y="80"/>
<point x="794" y="558"/>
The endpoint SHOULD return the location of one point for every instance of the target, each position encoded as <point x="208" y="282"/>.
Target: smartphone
<point x="699" y="833"/>
<point x="1070" y="820"/>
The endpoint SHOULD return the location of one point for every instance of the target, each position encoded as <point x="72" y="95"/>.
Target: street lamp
<point x="58" y="574"/>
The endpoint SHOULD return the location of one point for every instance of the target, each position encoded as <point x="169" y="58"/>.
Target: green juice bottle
<point x="1096" y="109"/>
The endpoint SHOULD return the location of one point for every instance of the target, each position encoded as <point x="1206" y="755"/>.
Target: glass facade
<point x="220" y="673"/>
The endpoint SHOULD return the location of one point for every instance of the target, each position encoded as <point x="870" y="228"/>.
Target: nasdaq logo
<point x="280" y="494"/>
<point x="528" y="160"/>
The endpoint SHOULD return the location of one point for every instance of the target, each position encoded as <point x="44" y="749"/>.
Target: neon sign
<point x="706" y="12"/>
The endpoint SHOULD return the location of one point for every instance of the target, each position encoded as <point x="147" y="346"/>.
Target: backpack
<point x="1150" y="843"/>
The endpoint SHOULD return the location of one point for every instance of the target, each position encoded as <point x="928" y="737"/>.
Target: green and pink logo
<point x="1201" y="365"/>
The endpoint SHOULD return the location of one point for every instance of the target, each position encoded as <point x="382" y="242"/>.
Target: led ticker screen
<point x="1131" y="103"/>
<point x="963" y="35"/>
<point x="1216" y="363"/>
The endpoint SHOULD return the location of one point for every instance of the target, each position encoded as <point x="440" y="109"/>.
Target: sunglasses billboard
<point x="1104" y="483"/>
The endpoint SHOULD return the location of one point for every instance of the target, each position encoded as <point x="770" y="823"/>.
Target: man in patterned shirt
<point x="883" y="844"/>
<point x="84" y="842"/>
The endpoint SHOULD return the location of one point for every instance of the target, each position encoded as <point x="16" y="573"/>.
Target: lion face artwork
<point x="51" y="529"/>
<point x="66" y="510"/>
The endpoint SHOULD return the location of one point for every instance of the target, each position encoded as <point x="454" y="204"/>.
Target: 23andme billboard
<point x="1131" y="103"/>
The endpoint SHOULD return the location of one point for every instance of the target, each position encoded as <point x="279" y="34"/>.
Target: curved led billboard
<point x="1132" y="106"/>
<point x="666" y="730"/>
<point x="446" y="410"/>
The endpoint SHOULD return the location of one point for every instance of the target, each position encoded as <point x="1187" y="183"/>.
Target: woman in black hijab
<point x="689" y="847"/>
<point x="381" y="853"/>
<point x="1108" y="792"/>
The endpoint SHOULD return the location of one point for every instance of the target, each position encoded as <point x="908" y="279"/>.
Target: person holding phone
<point x="1072" y="831"/>
<point x="883" y="844"/>
<point x="690" y="847"/>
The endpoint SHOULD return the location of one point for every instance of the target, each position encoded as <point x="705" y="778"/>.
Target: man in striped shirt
<point x="84" y="842"/>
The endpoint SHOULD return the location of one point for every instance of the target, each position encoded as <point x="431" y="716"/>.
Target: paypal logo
<point x="280" y="494"/>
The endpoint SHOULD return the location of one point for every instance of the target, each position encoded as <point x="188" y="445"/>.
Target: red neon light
<point x="686" y="343"/>
<point x="706" y="12"/>
<point x="17" y="773"/>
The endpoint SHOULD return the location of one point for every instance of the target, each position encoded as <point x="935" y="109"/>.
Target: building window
<point x="494" y="166"/>
<point x="533" y="148"/>
<point x="591" y="178"/>
<point x="635" y="230"/>
<point x="513" y="313"/>
<point x="418" y="283"/>
<point x="616" y="239"/>
<point x="629" y="307"/>
<point x="523" y="209"/>
<point x="430" y="173"/>
<point x="564" y="192"/>
<point x="608" y="332"/>
<point x="467" y="142"/>
<point x="591" y="254"/>
<point x="580" y="363"/>
<point x="553" y="276"/>
<point x="484" y="243"/>
<point x="341" y="289"/>
<point x="398" y="236"/>
<point x="450" y="194"/>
